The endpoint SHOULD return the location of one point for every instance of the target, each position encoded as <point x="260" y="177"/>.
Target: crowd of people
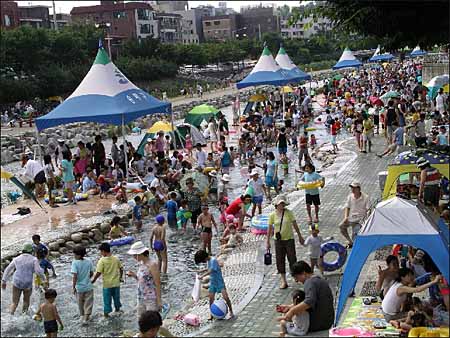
<point x="185" y="183"/>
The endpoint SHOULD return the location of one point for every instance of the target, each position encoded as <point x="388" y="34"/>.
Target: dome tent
<point x="293" y="72"/>
<point x="380" y="57"/>
<point x="347" y="60"/>
<point x="417" y="52"/>
<point x="395" y="221"/>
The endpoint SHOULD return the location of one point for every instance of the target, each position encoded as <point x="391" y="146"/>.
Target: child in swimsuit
<point x="49" y="313"/>
<point x="205" y="221"/>
<point x="158" y="242"/>
<point x="116" y="230"/>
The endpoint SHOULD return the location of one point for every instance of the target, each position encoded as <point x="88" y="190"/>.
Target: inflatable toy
<point x="121" y="241"/>
<point x="81" y="197"/>
<point x="58" y="199"/>
<point x="429" y="332"/>
<point x="310" y="129"/>
<point x="258" y="231"/>
<point x="339" y="249"/>
<point x="310" y="185"/>
<point x="219" y="309"/>
<point x="207" y="170"/>
<point x="192" y="319"/>
<point x="260" y="222"/>
<point x="349" y="332"/>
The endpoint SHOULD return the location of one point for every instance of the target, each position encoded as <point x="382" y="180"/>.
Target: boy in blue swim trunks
<point x="216" y="282"/>
<point x="158" y="242"/>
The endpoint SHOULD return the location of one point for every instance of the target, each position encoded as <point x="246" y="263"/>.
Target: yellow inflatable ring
<point x="429" y="332"/>
<point x="207" y="170"/>
<point x="310" y="129"/>
<point x="310" y="185"/>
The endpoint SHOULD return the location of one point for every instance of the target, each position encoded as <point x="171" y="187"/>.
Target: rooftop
<point x="109" y="7"/>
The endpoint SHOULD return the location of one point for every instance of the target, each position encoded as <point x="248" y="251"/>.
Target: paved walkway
<point x="258" y="318"/>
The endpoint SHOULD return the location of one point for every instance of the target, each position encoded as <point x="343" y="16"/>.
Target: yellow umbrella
<point x="160" y="126"/>
<point x="6" y="175"/>
<point x="446" y="88"/>
<point x="385" y="64"/>
<point x="257" y="98"/>
<point x="287" y="89"/>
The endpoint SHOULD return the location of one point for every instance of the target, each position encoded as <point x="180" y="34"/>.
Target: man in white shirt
<point x="200" y="155"/>
<point x="34" y="172"/>
<point x="259" y="190"/>
<point x="355" y="211"/>
<point x="440" y="101"/>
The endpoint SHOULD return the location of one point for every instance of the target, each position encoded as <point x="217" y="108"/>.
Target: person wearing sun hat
<point x="222" y="187"/>
<point x="22" y="267"/>
<point x="281" y="224"/>
<point x="257" y="186"/>
<point x="148" y="279"/>
<point x="355" y="211"/>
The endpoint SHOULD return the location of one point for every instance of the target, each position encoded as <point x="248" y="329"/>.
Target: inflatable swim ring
<point x="310" y="129"/>
<point x="81" y="197"/>
<point x="429" y="332"/>
<point x="260" y="222"/>
<point x="349" y="332"/>
<point x="339" y="249"/>
<point x="121" y="241"/>
<point x="207" y="170"/>
<point x="58" y="199"/>
<point x="258" y="231"/>
<point x="310" y="185"/>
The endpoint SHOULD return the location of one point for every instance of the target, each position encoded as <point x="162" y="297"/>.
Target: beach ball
<point x="219" y="309"/>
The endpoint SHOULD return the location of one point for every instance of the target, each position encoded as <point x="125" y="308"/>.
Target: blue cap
<point x="159" y="219"/>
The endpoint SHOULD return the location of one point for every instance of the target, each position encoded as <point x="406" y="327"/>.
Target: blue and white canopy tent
<point x="105" y="95"/>
<point x="294" y="73"/>
<point x="380" y="57"/>
<point x="417" y="52"/>
<point x="265" y="72"/>
<point x="347" y="60"/>
<point x="395" y="221"/>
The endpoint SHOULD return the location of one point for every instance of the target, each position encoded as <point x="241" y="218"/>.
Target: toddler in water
<point x="300" y="324"/>
<point x="116" y="230"/>
<point x="49" y="313"/>
<point x="158" y="242"/>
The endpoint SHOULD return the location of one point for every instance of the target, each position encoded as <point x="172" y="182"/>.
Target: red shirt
<point x="101" y="180"/>
<point x="334" y="129"/>
<point x="303" y="142"/>
<point x="234" y="207"/>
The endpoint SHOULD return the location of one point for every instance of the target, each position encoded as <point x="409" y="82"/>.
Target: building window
<point x="119" y="15"/>
<point x="7" y="20"/>
<point x="216" y="23"/>
<point x="146" y="29"/>
<point x="208" y="23"/>
<point x="143" y="14"/>
<point x="269" y="20"/>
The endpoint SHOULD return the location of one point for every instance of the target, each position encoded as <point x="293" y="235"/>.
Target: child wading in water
<point x="158" y="242"/>
<point x="300" y="324"/>
<point x="205" y="221"/>
<point x="49" y="313"/>
<point x="216" y="282"/>
<point x="116" y="230"/>
<point x="137" y="214"/>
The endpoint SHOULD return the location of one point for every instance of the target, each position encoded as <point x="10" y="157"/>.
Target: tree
<point x="399" y="23"/>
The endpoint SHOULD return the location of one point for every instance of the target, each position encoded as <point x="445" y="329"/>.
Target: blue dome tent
<point x="380" y="57"/>
<point x="395" y="221"/>
<point x="347" y="60"/>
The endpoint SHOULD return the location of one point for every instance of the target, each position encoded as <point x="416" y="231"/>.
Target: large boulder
<point x="98" y="235"/>
<point x="53" y="246"/>
<point x="61" y="241"/>
<point x="63" y="250"/>
<point x="77" y="237"/>
<point x="105" y="228"/>
<point x="70" y="245"/>
<point x="85" y="243"/>
<point x="55" y="254"/>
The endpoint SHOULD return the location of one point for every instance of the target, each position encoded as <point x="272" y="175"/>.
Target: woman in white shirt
<point x="398" y="292"/>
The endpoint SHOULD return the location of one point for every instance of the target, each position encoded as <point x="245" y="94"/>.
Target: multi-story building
<point x="125" y="20"/>
<point x="304" y="28"/>
<point x="36" y="16"/>
<point x="9" y="12"/>
<point x="61" y="20"/>
<point x="206" y="10"/>
<point x="169" y="27"/>
<point x="170" y="6"/>
<point x="259" y="20"/>
<point x="191" y="26"/>
<point x="220" y="28"/>
<point x="223" y="9"/>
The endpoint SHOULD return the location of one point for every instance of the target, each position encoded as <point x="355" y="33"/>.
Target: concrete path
<point x="258" y="318"/>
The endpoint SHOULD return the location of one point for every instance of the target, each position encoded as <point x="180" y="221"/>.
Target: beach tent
<point x="377" y="56"/>
<point x="105" y="95"/>
<point x="196" y="135"/>
<point x="265" y="72"/>
<point x="417" y="52"/>
<point x="405" y="162"/>
<point x="293" y="72"/>
<point x="347" y="60"/>
<point x="394" y="221"/>
<point x="435" y="84"/>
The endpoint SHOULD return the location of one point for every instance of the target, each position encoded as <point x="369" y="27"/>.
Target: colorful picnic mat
<point x="365" y="316"/>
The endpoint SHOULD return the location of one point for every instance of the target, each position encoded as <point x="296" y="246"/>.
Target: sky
<point x="66" y="6"/>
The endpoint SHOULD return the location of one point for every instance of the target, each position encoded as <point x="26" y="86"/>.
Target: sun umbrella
<point x="9" y="176"/>
<point x="257" y="98"/>
<point x="376" y="101"/>
<point x="446" y="88"/>
<point x="200" y="113"/>
<point x="160" y="126"/>
<point x="389" y="95"/>
<point x="287" y="89"/>
<point x="435" y="84"/>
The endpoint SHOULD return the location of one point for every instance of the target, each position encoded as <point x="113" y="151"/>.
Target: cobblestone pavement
<point x="258" y="318"/>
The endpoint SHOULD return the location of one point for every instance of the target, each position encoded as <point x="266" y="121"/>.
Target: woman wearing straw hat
<point x="148" y="279"/>
<point x="281" y="222"/>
